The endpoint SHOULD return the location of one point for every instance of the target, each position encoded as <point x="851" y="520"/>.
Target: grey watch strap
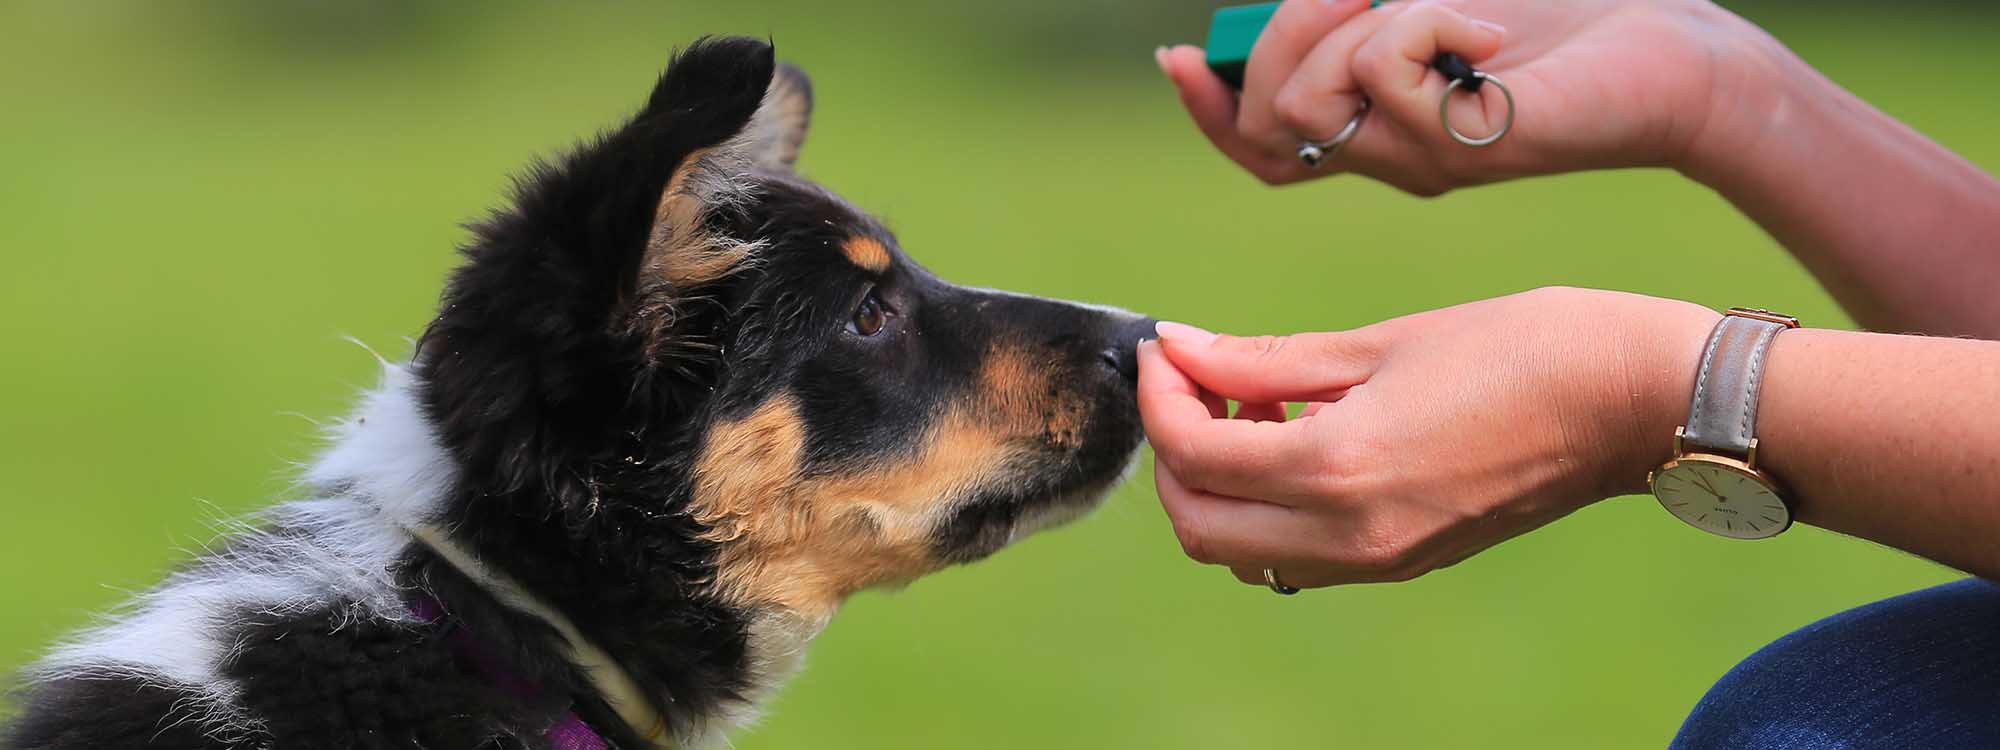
<point x="1724" y="415"/>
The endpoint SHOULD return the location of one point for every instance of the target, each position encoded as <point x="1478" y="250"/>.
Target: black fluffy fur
<point x="112" y="712"/>
<point x="542" y="389"/>
<point x="574" y="439"/>
<point x="544" y="397"/>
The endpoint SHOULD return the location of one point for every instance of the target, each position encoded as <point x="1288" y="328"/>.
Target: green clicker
<point x="1232" y="34"/>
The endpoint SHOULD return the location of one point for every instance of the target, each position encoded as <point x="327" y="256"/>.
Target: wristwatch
<point x="1713" y="481"/>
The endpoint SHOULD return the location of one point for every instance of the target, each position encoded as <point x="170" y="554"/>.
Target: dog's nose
<point x="1121" y="351"/>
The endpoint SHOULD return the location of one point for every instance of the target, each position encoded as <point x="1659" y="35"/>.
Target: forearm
<point x="1890" y="438"/>
<point x="1903" y="232"/>
<point x="1895" y="439"/>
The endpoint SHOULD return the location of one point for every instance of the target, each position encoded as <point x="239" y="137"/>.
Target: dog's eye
<point x="869" y="317"/>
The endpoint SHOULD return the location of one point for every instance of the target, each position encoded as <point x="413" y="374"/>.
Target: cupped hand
<point x="1598" y="83"/>
<point x="1426" y="438"/>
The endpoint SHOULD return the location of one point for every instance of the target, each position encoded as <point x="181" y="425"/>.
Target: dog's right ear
<point x="731" y="93"/>
<point x="576" y="298"/>
<point x="685" y="248"/>
<point x="775" y="133"/>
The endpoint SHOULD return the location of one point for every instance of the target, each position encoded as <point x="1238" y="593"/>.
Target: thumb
<point x="1299" y="367"/>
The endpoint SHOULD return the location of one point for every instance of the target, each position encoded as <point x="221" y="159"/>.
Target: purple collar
<point x="568" y="733"/>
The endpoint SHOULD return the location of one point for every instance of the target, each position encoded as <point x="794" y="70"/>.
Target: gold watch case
<point x="1722" y="495"/>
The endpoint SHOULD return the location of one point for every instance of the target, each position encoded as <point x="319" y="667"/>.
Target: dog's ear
<point x="778" y="130"/>
<point x="577" y="298"/>
<point x="687" y="248"/>
<point x="721" y="77"/>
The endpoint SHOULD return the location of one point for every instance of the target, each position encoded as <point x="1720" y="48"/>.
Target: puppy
<point x="676" y="406"/>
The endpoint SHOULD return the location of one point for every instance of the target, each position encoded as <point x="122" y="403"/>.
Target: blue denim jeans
<point x="1921" y="670"/>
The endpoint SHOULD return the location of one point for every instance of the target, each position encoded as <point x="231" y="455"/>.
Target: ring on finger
<point x="1315" y="153"/>
<point x="1271" y="580"/>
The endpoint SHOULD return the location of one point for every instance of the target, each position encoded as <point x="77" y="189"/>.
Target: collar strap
<point x="569" y="732"/>
<point x="612" y="682"/>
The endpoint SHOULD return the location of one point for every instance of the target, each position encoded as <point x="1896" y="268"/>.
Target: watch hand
<point x="1705" y="486"/>
<point x="1699" y="484"/>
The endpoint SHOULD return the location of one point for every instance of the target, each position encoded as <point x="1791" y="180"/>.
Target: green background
<point x="199" y="200"/>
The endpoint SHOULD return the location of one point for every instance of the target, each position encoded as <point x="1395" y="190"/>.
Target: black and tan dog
<point x="677" y="405"/>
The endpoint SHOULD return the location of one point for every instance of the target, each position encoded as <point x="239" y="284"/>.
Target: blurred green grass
<point x="199" y="200"/>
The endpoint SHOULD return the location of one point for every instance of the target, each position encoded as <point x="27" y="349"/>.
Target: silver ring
<point x="1444" y="112"/>
<point x="1315" y="153"/>
<point x="1271" y="579"/>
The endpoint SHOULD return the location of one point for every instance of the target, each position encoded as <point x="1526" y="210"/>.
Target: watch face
<point x="1721" y="498"/>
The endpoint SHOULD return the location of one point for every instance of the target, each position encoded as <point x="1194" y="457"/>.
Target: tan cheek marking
<point x="867" y="253"/>
<point x="789" y="541"/>
<point x="1019" y="394"/>
<point x="806" y="543"/>
<point x="747" y="471"/>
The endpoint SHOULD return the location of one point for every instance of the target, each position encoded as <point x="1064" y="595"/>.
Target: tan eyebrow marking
<point x="866" y="253"/>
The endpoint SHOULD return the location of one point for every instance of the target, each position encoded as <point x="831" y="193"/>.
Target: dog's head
<point x="690" y="357"/>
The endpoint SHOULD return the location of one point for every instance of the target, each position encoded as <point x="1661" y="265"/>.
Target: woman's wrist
<point x="1658" y="351"/>
<point x="1755" y="90"/>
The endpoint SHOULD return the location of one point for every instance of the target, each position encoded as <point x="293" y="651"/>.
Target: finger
<point x="1220" y="530"/>
<point x="1170" y="383"/>
<point x="1217" y="406"/>
<point x="1299" y="367"/>
<point x="1292" y="31"/>
<point x="1357" y="562"/>
<point x="1321" y="95"/>
<point x="1255" y="577"/>
<point x="1160" y="379"/>
<point x="1263" y="411"/>
<point x="1394" y="66"/>
<point x="1261" y="460"/>
<point x="1304" y="577"/>
<point x="1314" y="576"/>
<point x="1212" y="105"/>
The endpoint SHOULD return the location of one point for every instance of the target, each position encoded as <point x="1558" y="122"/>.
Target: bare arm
<point x="1890" y="438"/>
<point x="1434" y="436"/>
<point x="1900" y="230"/>
<point x="1905" y="233"/>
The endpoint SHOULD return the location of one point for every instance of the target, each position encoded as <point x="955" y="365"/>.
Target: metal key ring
<point x="1315" y="153"/>
<point x="1444" y="111"/>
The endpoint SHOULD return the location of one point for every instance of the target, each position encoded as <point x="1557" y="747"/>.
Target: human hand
<point x="1427" y="438"/>
<point x="1600" y="83"/>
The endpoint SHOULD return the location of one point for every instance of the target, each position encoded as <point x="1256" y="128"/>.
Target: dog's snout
<point x="1121" y="349"/>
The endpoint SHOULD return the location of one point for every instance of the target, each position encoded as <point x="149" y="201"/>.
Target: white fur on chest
<point x="337" y="553"/>
<point x="376" y="491"/>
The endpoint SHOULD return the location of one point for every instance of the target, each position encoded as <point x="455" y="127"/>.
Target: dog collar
<point x="612" y="682"/>
<point x="569" y="732"/>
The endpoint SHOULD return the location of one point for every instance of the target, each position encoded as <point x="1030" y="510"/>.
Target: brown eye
<point x="869" y="317"/>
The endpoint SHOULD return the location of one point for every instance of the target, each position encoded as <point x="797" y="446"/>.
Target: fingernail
<point x="1160" y="58"/>
<point x="1183" y="333"/>
<point x="1490" y="26"/>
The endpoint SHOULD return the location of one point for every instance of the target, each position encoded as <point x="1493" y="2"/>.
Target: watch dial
<point x="1721" y="499"/>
